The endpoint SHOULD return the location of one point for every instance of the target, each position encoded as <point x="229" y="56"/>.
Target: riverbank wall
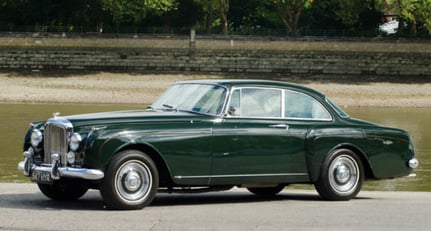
<point x="225" y="55"/>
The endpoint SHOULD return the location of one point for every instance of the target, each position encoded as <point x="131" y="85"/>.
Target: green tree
<point x="215" y="10"/>
<point x="179" y="20"/>
<point x="354" y="14"/>
<point x="353" y="17"/>
<point x="424" y="14"/>
<point x="252" y="16"/>
<point x="136" y="10"/>
<point x="52" y="15"/>
<point x="348" y="11"/>
<point x="411" y="12"/>
<point x="290" y="12"/>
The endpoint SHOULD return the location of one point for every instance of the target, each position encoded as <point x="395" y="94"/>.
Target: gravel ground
<point x="120" y="88"/>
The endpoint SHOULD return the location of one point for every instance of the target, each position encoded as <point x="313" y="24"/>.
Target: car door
<point x="256" y="142"/>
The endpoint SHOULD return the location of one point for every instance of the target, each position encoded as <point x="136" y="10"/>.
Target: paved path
<point x="22" y="207"/>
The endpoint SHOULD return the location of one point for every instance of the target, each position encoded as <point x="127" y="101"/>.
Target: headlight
<point x="36" y="138"/>
<point x="75" y="141"/>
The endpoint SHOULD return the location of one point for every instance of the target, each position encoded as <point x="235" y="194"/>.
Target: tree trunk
<point x="224" y="10"/>
<point x="225" y="25"/>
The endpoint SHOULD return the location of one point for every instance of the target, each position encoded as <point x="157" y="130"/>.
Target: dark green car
<point x="214" y="135"/>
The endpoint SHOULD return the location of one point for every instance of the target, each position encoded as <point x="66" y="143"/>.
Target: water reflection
<point x="417" y="122"/>
<point x="14" y="120"/>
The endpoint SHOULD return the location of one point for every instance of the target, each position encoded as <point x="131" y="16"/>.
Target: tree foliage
<point x="424" y="13"/>
<point x="290" y="12"/>
<point x="136" y="10"/>
<point x="411" y="13"/>
<point x="216" y="13"/>
<point x="225" y="16"/>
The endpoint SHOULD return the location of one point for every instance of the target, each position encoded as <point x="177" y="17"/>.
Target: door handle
<point x="285" y="126"/>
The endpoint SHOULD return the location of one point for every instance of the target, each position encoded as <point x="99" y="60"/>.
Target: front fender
<point x="103" y="144"/>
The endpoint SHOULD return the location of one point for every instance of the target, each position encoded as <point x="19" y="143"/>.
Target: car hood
<point x="95" y="119"/>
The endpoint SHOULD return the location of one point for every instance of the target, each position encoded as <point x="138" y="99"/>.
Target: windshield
<point x="192" y="97"/>
<point x="337" y="109"/>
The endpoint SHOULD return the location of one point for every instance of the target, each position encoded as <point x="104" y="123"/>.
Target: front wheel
<point x="130" y="182"/>
<point x="341" y="176"/>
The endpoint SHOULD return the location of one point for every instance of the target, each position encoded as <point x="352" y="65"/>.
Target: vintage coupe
<point x="214" y="135"/>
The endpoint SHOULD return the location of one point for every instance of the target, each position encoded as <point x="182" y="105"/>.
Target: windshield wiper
<point x="170" y="107"/>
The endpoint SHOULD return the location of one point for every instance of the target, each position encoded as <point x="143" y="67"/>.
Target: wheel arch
<point x="316" y="160"/>
<point x="162" y="168"/>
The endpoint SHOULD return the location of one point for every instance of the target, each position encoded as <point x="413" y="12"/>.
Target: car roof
<point x="229" y="83"/>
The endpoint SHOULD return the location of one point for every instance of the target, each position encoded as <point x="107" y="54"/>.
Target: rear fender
<point x="322" y="142"/>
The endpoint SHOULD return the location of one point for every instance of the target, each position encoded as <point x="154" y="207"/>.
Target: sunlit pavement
<point x="23" y="207"/>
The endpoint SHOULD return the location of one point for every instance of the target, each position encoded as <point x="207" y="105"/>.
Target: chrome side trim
<point x="241" y="175"/>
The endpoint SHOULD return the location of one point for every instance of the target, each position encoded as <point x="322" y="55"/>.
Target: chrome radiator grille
<point x="55" y="142"/>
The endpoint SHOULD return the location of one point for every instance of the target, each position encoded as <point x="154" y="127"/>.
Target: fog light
<point x="71" y="157"/>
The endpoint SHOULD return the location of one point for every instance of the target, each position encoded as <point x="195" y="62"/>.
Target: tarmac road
<point x="23" y="207"/>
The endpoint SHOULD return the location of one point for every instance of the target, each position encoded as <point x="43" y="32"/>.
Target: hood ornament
<point x="55" y="114"/>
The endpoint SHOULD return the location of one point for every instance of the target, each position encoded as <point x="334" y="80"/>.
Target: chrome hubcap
<point x="133" y="181"/>
<point x="344" y="174"/>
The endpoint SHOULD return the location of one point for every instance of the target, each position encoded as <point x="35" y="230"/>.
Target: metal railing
<point x="304" y="32"/>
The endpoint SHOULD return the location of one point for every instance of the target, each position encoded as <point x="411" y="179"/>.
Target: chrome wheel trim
<point x="133" y="181"/>
<point x="344" y="174"/>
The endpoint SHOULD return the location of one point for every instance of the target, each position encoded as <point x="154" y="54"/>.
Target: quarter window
<point x="301" y="106"/>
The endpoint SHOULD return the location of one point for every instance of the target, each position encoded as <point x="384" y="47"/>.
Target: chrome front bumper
<point x="55" y="170"/>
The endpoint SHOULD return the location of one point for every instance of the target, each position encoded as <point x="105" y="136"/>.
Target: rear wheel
<point x="63" y="191"/>
<point x="130" y="182"/>
<point x="266" y="191"/>
<point x="341" y="176"/>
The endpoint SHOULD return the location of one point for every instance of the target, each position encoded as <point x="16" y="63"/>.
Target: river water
<point x="15" y="118"/>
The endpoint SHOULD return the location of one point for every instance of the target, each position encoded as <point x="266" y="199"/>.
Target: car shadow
<point x="93" y="201"/>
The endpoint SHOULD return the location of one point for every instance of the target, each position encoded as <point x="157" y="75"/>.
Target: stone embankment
<point x="223" y="55"/>
<point x="137" y="70"/>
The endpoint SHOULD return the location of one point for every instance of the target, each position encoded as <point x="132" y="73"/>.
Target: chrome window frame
<point x="283" y="105"/>
<point x="224" y="103"/>
<point x="254" y="117"/>
<point x="315" y="100"/>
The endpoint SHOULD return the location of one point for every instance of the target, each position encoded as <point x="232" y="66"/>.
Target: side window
<point x="233" y="108"/>
<point x="301" y="106"/>
<point x="255" y="102"/>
